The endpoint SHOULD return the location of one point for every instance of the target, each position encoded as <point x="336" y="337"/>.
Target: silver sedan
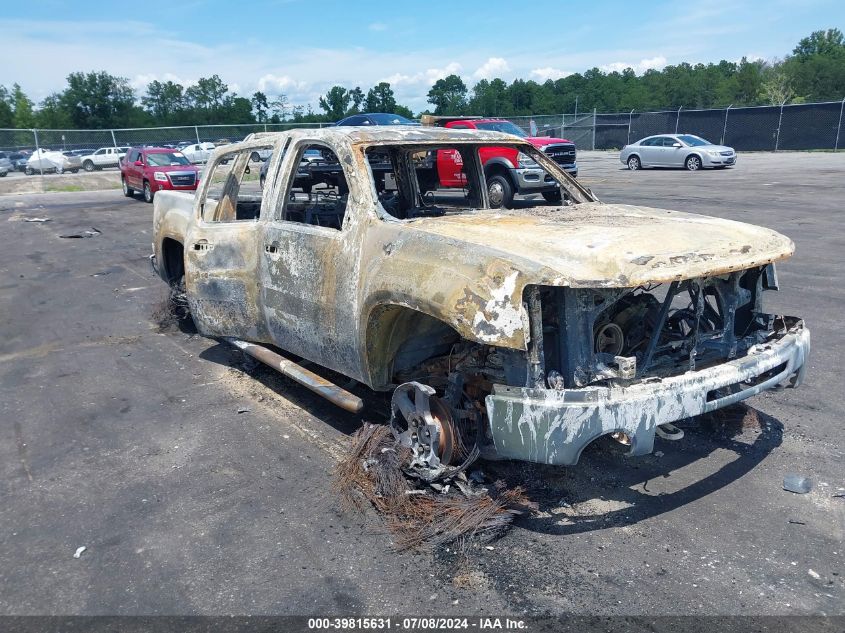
<point x="676" y="150"/>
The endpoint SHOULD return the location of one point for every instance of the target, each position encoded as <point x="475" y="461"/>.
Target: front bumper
<point x="553" y="426"/>
<point x="718" y="161"/>
<point x="533" y="179"/>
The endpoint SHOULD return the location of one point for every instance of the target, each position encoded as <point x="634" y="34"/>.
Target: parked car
<point x="5" y="165"/>
<point x="198" y="152"/>
<point x="19" y="160"/>
<point x="511" y="334"/>
<point x="103" y="157"/>
<point x="45" y="160"/>
<point x="376" y="118"/>
<point x="83" y="152"/>
<point x="676" y="150"/>
<point x="149" y="170"/>
<point x="507" y="172"/>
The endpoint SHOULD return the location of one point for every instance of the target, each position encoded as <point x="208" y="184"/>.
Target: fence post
<point x="265" y="127"/>
<point x="562" y="124"/>
<point x="594" y="128"/>
<point x="113" y="140"/>
<point x="197" y="132"/>
<point x="678" y="119"/>
<point x="725" y="127"/>
<point x="839" y="127"/>
<point x="38" y="153"/>
<point x="780" y="119"/>
<point x="630" y="117"/>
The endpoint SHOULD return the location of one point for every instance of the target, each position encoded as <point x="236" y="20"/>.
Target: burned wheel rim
<point x="609" y="339"/>
<point x="423" y="422"/>
<point x="693" y="163"/>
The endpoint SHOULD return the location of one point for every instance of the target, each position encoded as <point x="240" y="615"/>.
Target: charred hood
<point x="608" y="245"/>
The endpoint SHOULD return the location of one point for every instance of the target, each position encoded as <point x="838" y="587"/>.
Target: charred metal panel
<point x="553" y="426"/>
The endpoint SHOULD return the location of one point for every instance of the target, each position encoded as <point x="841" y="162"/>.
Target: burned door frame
<point x="309" y="274"/>
<point x="221" y="261"/>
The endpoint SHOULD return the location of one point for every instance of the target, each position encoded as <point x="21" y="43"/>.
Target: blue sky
<point x="301" y="48"/>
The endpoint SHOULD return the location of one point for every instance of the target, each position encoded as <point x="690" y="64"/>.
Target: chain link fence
<point x="808" y="126"/>
<point x="12" y="140"/>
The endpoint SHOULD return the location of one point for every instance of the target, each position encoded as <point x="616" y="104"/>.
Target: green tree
<point x="98" y="100"/>
<point x="22" y="105"/>
<point x="357" y="99"/>
<point x="448" y="95"/>
<point x="164" y="101"/>
<point x="7" y="113"/>
<point x="830" y="42"/>
<point x="279" y="108"/>
<point x="51" y="113"/>
<point x="261" y="106"/>
<point x="336" y="102"/>
<point x="404" y="111"/>
<point x="380" y="98"/>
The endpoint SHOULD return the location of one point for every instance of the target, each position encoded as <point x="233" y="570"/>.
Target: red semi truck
<point x="507" y="171"/>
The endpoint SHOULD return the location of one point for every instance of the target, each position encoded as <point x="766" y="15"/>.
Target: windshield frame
<point x="577" y="193"/>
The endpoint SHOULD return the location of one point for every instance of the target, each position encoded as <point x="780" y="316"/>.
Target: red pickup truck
<point x="507" y="171"/>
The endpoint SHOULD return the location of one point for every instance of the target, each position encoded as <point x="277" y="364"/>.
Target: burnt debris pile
<point x="422" y="512"/>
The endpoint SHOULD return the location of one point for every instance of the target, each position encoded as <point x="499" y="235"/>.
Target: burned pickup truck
<point x="524" y="333"/>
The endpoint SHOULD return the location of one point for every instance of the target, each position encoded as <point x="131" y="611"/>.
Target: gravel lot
<point x="127" y="440"/>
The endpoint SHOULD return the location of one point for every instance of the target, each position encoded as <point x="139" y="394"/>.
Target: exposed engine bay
<point x="579" y="338"/>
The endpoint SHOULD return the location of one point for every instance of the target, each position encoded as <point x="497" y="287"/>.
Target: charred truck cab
<point x="506" y="333"/>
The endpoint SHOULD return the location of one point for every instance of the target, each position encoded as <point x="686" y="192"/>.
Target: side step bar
<point x="297" y="373"/>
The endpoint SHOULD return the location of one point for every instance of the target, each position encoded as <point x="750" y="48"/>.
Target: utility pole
<point x="725" y="127"/>
<point x="780" y="120"/>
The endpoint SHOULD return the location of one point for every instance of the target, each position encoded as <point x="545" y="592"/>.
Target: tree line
<point x="814" y="71"/>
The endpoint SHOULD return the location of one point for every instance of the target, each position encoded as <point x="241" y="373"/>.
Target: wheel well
<point x="497" y="169"/>
<point x="696" y="154"/>
<point x="634" y="155"/>
<point x="399" y="337"/>
<point x="173" y="256"/>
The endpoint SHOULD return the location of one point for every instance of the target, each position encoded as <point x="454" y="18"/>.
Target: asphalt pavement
<point x="127" y="440"/>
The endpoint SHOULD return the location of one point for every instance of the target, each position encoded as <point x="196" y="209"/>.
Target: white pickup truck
<point x="527" y="333"/>
<point x="104" y="157"/>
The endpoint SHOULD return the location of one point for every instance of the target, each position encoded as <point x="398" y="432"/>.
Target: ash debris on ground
<point x="419" y="514"/>
<point x="171" y="312"/>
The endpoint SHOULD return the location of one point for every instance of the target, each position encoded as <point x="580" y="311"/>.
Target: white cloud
<point x="426" y="77"/>
<point x="547" y="72"/>
<point x="275" y="84"/>
<point x="493" y="67"/>
<point x="377" y="26"/>
<point x="640" y="67"/>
